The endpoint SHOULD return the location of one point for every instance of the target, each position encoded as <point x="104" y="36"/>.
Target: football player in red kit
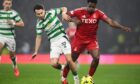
<point x="86" y="34"/>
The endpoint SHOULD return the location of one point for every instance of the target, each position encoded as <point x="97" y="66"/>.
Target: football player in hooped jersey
<point x="85" y="37"/>
<point x="59" y="43"/>
<point x="9" y="20"/>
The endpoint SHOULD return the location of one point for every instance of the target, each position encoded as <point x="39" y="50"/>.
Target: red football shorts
<point x="80" y="46"/>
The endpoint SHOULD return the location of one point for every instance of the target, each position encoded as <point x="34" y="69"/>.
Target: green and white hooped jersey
<point x="51" y="25"/>
<point x="7" y="30"/>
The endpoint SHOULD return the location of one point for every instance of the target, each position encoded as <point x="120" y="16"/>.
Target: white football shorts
<point x="61" y="46"/>
<point x="9" y="43"/>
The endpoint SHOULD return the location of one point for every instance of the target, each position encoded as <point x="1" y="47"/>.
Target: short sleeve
<point x="103" y="16"/>
<point x="38" y="30"/>
<point x="75" y="12"/>
<point x="17" y="17"/>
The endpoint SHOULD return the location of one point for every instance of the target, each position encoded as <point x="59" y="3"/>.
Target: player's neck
<point x="6" y="9"/>
<point x="90" y="11"/>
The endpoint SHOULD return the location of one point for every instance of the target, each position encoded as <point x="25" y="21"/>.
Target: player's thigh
<point x="2" y="43"/>
<point x="54" y="61"/>
<point x="11" y="45"/>
<point x="55" y="51"/>
<point x="68" y="57"/>
<point x="65" y="46"/>
<point x="93" y="45"/>
<point x="12" y="53"/>
<point x="78" y="46"/>
<point x="93" y="48"/>
<point x="95" y="53"/>
<point x="75" y="56"/>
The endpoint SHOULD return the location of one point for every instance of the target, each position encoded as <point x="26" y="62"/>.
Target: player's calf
<point x="13" y="59"/>
<point x="55" y="64"/>
<point x="0" y="59"/>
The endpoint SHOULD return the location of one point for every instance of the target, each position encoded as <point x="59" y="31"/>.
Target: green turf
<point x="45" y="74"/>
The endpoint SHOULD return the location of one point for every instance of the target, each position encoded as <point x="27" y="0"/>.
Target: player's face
<point x="7" y="5"/>
<point x="40" y="13"/>
<point x="91" y="7"/>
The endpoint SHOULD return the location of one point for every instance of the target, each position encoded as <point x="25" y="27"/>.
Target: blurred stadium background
<point x="117" y="47"/>
<point x="111" y="41"/>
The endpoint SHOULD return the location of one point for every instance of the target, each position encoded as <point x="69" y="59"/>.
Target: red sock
<point x="66" y="71"/>
<point x="92" y="70"/>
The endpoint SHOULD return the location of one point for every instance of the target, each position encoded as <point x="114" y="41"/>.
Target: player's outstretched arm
<point x="76" y="21"/>
<point x="37" y="45"/>
<point x="13" y="23"/>
<point x="115" y="24"/>
<point x="19" y="24"/>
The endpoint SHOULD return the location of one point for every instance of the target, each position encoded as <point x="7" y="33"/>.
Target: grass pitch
<point x="45" y="74"/>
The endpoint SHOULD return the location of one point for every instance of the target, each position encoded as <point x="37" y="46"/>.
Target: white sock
<point x="76" y="77"/>
<point x="63" y="66"/>
<point x="62" y="78"/>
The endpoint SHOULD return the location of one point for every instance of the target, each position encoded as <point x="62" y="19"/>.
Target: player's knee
<point x="96" y="58"/>
<point x="75" y="56"/>
<point x="12" y="54"/>
<point x="69" y="61"/>
<point x="74" y="59"/>
<point x="53" y="64"/>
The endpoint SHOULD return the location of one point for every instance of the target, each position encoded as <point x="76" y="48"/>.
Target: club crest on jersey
<point x="84" y="16"/>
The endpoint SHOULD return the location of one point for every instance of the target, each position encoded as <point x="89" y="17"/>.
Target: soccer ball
<point x="87" y="80"/>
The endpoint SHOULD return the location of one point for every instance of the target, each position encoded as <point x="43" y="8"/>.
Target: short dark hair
<point x="7" y="0"/>
<point x="38" y="6"/>
<point x="92" y="1"/>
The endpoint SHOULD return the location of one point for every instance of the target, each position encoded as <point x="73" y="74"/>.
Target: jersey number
<point x="64" y="44"/>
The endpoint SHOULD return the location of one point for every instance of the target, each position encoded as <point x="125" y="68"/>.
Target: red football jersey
<point x="88" y="29"/>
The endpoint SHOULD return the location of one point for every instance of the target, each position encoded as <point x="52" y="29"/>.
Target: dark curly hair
<point x="38" y="6"/>
<point x="92" y="1"/>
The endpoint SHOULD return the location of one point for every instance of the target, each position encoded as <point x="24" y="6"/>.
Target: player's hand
<point x="76" y="21"/>
<point x="34" y="55"/>
<point x="11" y="22"/>
<point x="66" y="17"/>
<point x="127" y="29"/>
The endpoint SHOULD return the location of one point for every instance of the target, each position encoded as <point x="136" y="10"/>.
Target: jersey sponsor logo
<point x="89" y="21"/>
<point x="94" y="16"/>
